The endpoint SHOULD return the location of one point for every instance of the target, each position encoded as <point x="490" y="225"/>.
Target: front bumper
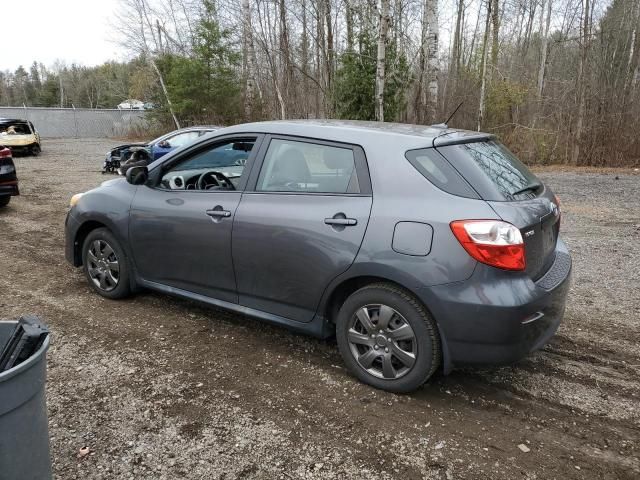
<point x="498" y="317"/>
<point x="26" y="148"/>
<point x="71" y="253"/>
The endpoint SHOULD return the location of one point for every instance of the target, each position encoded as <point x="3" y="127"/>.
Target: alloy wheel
<point x="382" y="341"/>
<point x="103" y="266"/>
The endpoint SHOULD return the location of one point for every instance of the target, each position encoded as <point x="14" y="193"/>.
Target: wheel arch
<point x="340" y="290"/>
<point x="81" y="234"/>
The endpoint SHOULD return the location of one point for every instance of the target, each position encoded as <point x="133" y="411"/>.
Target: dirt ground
<point x="160" y="388"/>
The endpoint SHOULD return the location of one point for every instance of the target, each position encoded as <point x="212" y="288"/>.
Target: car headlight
<point x="75" y="199"/>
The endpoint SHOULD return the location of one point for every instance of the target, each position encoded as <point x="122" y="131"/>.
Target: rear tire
<point x="387" y="338"/>
<point x="105" y="264"/>
<point x="4" y="200"/>
<point x="35" y="150"/>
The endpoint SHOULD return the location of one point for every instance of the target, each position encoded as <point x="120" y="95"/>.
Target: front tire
<point x="387" y="338"/>
<point x="4" y="200"/>
<point x="105" y="264"/>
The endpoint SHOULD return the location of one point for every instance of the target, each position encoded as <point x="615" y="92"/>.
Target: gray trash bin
<point x="24" y="436"/>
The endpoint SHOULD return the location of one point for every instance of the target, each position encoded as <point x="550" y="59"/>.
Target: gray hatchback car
<point x="418" y="247"/>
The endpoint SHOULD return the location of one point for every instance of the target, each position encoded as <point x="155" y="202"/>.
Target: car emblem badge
<point x="530" y="233"/>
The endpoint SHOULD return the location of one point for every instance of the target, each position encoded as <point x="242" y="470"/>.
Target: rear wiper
<point x="531" y="187"/>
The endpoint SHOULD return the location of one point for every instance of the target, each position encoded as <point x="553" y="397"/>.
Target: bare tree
<point x="383" y="29"/>
<point x="544" y="42"/>
<point x="248" y="53"/>
<point x="584" y="52"/>
<point x="483" y="67"/>
<point x="431" y="44"/>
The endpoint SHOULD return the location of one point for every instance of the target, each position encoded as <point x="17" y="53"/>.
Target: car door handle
<point x="218" y="213"/>
<point x="344" y="222"/>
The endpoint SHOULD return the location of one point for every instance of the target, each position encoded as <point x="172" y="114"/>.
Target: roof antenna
<point x="446" y="124"/>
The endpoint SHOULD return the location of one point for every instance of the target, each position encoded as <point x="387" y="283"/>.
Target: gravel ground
<point x="160" y="388"/>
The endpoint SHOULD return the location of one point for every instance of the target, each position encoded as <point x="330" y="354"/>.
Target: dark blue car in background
<point x="155" y="149"/>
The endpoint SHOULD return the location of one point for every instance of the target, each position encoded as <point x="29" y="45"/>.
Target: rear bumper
<point x="498" y="317"/>
<point x="9" y="188"/>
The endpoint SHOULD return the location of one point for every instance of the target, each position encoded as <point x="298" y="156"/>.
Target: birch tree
<point x="248" y="53"/>
<point x="431" y="20"/>
<point x="383" y="29"/>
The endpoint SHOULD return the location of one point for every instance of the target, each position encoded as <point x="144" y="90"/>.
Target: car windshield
<point x="15" y="128"/>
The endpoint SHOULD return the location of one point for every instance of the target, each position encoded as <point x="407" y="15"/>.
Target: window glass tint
<point x="438" y="171"/>
<point x="291" y="166"/>
<point x="228" y="159"/>
<point x="508" y="174"/>
<point x="183" y="138"/>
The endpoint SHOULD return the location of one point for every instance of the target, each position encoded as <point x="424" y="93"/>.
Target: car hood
<point x="113" y="181"/>
<point x="129" y="145"/>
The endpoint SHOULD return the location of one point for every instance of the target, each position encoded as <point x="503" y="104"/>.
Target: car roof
<point x="13" y="120"/>
<point x="354" y="131"/>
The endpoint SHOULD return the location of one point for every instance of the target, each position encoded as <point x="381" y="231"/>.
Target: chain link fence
<point x="81" y="122"/>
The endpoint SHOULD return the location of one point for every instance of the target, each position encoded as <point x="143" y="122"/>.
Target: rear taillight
<point x="555" y="197"/>
<point x="5" y="153"/>
<point x="492" y="242"/>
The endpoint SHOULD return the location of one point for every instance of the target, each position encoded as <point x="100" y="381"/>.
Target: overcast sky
<point x="48" y="30"/>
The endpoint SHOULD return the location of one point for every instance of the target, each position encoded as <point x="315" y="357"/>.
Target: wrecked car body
<point x="20" y="136"/>
<point x="123" y="157"/>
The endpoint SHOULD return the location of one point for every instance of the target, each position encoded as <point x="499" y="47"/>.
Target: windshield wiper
<point x="531" y="187"/>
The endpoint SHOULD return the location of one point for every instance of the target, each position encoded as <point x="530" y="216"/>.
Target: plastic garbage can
<point x="24" y="436"/>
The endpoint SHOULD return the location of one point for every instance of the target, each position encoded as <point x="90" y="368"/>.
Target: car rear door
<point x="300" y="225"/>
<point x="180" y="235"/>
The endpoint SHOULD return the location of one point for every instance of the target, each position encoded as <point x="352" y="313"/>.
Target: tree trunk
<point x="329" y="59"/>
<point x="285" y="52"/>
<point x="248" y="53"/>
<point x="495" y="30"/>
<point x="483" y="67"/>
<point x="455" y="53"/>
<point x="544" y="47"/>
<point x="383" y="28"/>
<point x="165" y="92"/>
<point x="320" y="56"/>
<point x="305" y="60"/>
<point x="349" y="22"/>
<point x="473" y="42"/>
<point x="431" y="44"/>
<point x="575" y="154"/>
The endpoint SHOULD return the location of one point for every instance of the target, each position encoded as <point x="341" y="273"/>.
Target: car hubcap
<point x="103" y="266"/>
<point x="382" y="341"/>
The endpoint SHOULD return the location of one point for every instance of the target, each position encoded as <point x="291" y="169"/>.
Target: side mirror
<point x="164" y="144"/>
<point x="137" y="175"/>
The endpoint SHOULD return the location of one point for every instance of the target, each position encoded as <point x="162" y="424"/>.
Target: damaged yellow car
<point x="20" y="136"/>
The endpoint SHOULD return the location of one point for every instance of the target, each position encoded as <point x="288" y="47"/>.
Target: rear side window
<point x="293" y="166"/>
<point x="493" y="171"/>
<point x="435" y="168"/>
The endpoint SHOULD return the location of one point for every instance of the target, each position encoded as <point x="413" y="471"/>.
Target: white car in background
<point x="131" y="104"/>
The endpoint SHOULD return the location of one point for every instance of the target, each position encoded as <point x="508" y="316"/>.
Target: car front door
<point x="300" y="224"/>
<point x="180" y="223"/>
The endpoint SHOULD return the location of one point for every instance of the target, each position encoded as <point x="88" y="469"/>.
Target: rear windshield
<point x="493" y="171"/>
